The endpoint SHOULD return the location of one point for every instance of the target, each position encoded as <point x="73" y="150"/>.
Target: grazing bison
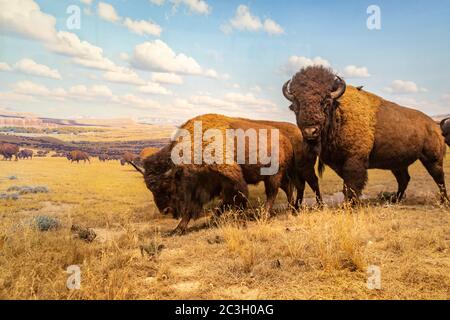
<point x="184" y="189"/>
<point x="8" y="150"/>
<point x="103" y="157"/>
<point x="445" y="126"/>
<point x="354" y="130"/>
<point x="25" y="154"/>
<point x="77" y="156"/>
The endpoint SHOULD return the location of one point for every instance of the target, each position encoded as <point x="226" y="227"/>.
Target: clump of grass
<point x="28" y="189"/>
<point x="45" y="223"/>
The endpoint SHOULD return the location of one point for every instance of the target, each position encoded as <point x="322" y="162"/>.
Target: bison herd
<point x="343" y="127"/>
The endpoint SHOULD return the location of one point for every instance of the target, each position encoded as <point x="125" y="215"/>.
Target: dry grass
<point x="318" y="254"/>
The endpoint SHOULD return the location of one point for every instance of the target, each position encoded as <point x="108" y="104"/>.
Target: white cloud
<point x="403" y="87"/>
<point x="28" y="66"/>
<point x="245" y="21"/>
<point x="88" y="2"/>
<point x="168" y="78"/>
<point x="157" y="2"/>
<point x="5" y="67"/>
<point x="96" y="91"/>
<point x="107" y="12"/>
<point x="195" y="6"/>
<point x="154" y="88"/>
<point x="131" y="100"/>
<point x="352" y="71"/>
<point x="124" y="75"/>
<point x="143" y="27"/>
<point x="271" y="27"/>
<point x="34" y="89"/>
<point x="206" y="100"/>
<point x="295" y="63"/>
<point x="247" y="99"/>
<point x="158" y="56"/>
<point x="25" y="18"/>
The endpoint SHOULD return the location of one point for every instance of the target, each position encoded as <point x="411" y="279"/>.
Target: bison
<point x="147" y="152"/>
<point x="77" y="156"/>
<point x="8" y="150"/>
<point x="25" y="154"/>
<point x="103" y="157"/>
<point x="184" y="189"/>
<point x="354" y="130"/>
<point x="445" y="126"/>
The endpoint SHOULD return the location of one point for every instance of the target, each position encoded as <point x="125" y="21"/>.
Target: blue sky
<point x="168" y="60"/>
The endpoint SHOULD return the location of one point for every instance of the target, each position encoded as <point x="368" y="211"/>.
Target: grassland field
<point x="313" y="254"/>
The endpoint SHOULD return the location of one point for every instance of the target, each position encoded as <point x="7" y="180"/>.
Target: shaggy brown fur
<point x="25" y="154"/>
<point x="445" y="126"/>
<point x="186" y="188"/>
<point x="360" y="131"/>
<point x="8" y="150"/>
<point x="77" y="156"/>
<point x="147" y="152"/>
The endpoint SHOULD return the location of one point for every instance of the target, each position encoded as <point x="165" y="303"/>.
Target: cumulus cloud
<point x="29" y="66"/>
<point x="247" y="99"/>
<point x="142" y="27"/>
<point x="123" y="75"/>
<point x="154" y="88"/>
<point x="295" y="63"/>
<point x="404" y="87"/>
<point x="168" y="78"/>
<point x="5" y="67"/>
<point x="131" y="100"/>
<point x="244" y="20"/>
<point x="108" y="12"/>
<point x="158" y="56"/>
<point x="157" y="2"/>
<point x="25" y="18"/>
<point x="352" y="71"/>
<point x="195" y="6"/>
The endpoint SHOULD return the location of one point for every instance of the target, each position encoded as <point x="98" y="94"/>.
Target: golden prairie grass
<point x="316" y="254"/>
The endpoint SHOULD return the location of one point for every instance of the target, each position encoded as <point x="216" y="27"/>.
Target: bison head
<point x="313" y="92"/>
<point x="445" y="126"/>
<point x="159" y="180"/>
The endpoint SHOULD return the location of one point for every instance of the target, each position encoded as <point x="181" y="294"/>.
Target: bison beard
<point x="183" y="190"/>
<point x="357" y="131"/>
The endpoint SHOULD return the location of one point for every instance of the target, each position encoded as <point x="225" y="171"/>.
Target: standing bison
<point x="25" y="154"/>
<point x="354" y="130"/>
<point x="445" y="126"/>
<point x="8" y="150"/>
<point x="77" y="156"/>
<point x="184" y="189"/>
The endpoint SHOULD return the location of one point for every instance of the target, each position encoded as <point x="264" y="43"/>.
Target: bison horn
<point x="443" y="122"/>
<point x="340" y="91"/>
<point x="286" y="92"/>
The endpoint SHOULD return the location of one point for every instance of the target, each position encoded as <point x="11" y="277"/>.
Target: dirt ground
<point x="313" y="254"/>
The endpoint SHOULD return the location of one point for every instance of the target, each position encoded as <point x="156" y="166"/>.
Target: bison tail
<point x="136" y="167"/>
<point x="321" y="168"/>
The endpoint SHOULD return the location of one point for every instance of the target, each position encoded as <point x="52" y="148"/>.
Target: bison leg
<point x="354" y="174"/>
<point x="403" y="179"/>
<point x="182" y="226"/>
<point x="435" y="169"/>
<point x="272" y="184"/>
<point x="313" y="182"/>
<point x="300" y="193"/>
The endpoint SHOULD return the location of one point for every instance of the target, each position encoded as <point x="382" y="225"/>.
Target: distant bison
<point x="103" y="157"/>
<point x="77" y="156"/>
<point x="445" y="126"/>
<point x="8" y="150"/>
<point x="25" y="154"/>
<point x="354" y="130"/>
<point x="183" y="189"/>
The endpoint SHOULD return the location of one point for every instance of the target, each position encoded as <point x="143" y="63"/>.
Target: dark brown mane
<point x="314" y="82"/>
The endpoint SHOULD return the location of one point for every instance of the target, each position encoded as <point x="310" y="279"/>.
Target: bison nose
<point x="311" y="133"/>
